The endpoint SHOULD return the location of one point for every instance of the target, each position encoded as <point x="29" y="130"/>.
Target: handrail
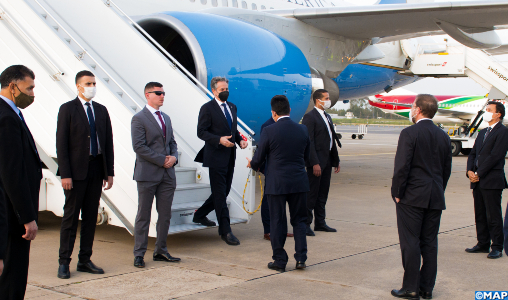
<point x="82" y="54"/>
<point x="110" y="3"/>
<point x="5" y="16"/>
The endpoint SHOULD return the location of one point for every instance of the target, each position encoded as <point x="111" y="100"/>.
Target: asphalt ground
<point x="361" y="261"/>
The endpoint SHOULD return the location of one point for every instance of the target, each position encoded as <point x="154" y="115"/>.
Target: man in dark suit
<point x="485" y="169"/>
<point x="286" y="146"/>
<point x="20" y="180"/>
<point x="217" y="126"/>
<point x="423" y="165"/>
<point x="84" y="147"/>
<point x="323" y="156"/>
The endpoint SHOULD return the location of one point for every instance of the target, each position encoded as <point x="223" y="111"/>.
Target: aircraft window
<point x="235" y="3"/>
<point x="225" y="3"/>
<point x="244" y="5"/>
<point x="263" y="7"/>
<point x="214" y="3"/>
<point x="203" y="2"/>
<point x="254" y="6"/>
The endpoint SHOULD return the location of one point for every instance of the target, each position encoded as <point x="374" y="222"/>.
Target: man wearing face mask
<point x="323" y="156"/>
<point x="217" y="126"/>
<point x="485" y="170"/>
<point x="84" y="147"/>
<point x="20" y="177"/>
<point x="423" y="164"/>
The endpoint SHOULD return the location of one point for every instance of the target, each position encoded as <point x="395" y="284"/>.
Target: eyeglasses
<point x="158" y="93"/>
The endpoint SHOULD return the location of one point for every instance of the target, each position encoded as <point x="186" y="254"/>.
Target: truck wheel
<point x="465" y="151"/>
<point x="360" y="136"/>
<point x="353" y="136"/>
<point x="456" y="147"/>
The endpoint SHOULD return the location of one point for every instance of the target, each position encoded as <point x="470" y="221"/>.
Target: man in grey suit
<point x="156" y="156"/>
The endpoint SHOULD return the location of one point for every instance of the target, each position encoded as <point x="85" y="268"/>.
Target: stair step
<point x="191" y="192"/>
<point x="190" y="227"/>
<point x="185" y="175"/>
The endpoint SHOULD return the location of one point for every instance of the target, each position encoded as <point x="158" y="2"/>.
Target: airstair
<point x="57" y="39"/>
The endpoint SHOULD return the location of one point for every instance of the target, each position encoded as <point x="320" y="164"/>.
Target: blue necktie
<point x="93" y="132"/>
<point x="228" y="116"/>
<point x="486" y="134"/>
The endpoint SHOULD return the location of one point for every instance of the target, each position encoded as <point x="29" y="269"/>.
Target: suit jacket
<point x="491" y="158"/>
<point x="73" y="140"/>
<point x="267" y="123"/>
<point x="20" y="170"/>
<point x="286" y="145"/>
<point x="151" y="147"/>
<point x="212" y="125"/>
<point x="320" y="151"/>
<point x="423" y="165"/>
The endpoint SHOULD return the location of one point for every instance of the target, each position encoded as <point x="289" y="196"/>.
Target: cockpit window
<point x="254" y="6"/>
<point x="244" y="4"/>
<point x="235" y="3"/>
<point x="215" y="3"/>
<point x="225" y="3"/>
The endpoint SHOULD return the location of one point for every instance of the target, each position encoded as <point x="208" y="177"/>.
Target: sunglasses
<point x="158" y="93"/>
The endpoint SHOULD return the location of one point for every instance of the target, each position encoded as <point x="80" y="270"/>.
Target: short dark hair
<point x="151" y="85"/>
<point x="15" y="73"/>
<point x="83" y="74"/>
<point x="499" y="108"/>
<point x="427" y="104"/>
<point x="280" y="105"/>
<point x="318" y="94"/>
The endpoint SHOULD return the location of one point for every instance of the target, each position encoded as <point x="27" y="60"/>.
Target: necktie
<point x="486" y="133"/>
<point x="158" y="113"/>
<point x="228" y="116"/>
<point x="93" y="131"/>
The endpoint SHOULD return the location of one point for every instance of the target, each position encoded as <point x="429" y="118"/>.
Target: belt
<point x="91" y="157"/>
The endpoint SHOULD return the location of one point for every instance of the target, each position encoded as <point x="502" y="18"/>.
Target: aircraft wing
<point x="445" y="112"/>
<point x="365" y="22"/>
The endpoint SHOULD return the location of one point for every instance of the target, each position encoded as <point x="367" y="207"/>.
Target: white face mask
<point x="411" y="116"/>
<point x="89" y="92"/>
<point x="326" y="104"/>
<point x="487" y="116"/>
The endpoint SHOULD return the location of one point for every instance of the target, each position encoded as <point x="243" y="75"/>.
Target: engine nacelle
<point x="258" y="63"/>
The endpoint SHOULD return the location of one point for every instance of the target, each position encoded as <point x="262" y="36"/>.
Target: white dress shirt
<point x="154" y="111"/>
<point x="222" y="108"/>
<point x="12" y="105"/>
<point x="85" y="107"/>
<point x="322" y="113"/>
<point x="422" y="120"/>
<point x="282" y="118"/>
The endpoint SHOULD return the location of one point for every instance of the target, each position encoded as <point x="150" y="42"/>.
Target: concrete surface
<point x="360" y="261"/>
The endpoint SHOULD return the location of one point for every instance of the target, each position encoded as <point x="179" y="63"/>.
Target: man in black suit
<point x="485" y="170"/>
<point x="286" y="146"/>
<point x="20" y="180"/>
<point x="323" y="156"/>
<point x="217" y="126"/>
<point x="423" y="165"/>
<point x="84" y="146"/>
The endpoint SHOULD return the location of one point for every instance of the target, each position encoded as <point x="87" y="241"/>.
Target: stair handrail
<point x="110" y="3"/>
<point x="5" y="16"/>
<point x="84" y="51"/>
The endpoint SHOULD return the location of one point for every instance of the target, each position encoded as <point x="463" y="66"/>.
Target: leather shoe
<point x="63" y="272"/>
<point x="165" y="257"/>
<point x="205" y="221"/>
<point x="266" y="236"/>
<point x="404" y="294"/>
<point x="425" y="295"/>
<point x="230" y="239"/>
<point x="300" y="265"/>
<point x="310" y="232"/>
<point x="89" y="267"/>
<point x="495" y="254"/>
<point x="139" y="262"/>
<point x="273" y="266"/>
<point x="477" y="249"/>
<point x="290" y="235"/>
<point x="325" y="228"/>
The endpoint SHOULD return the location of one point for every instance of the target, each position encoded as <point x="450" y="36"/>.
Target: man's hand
<point x="1" y="266"/>
<point x="30" y="231"/>
<point x="67" y="183"/>
<point x="397" y="199"/>
<point x="170" y="161"/>
<point x="243" y="144"/>
<point x="316" y="170"/>
<point x="248" y="162"/>
<point x="224" y="141"/>
<point x="337" y="170"/>
<point x="473" y="177"/>
<point x="109" y="183"/>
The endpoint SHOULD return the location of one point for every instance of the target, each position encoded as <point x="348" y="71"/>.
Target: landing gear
<point x="353" y="136"/>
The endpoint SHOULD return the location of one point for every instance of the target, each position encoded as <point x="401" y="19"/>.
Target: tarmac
<point x="361" y="261"/>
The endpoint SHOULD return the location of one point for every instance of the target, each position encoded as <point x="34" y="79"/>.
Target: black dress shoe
<point x="63" y="272"/>
<point x="300" y="265"/>
<point x="310" y="232"/>
<point x="230" y="239"/>
<point x="139" y="262"/>
<point x="495" y="254"/>
<point x="477" y="249"/>
<point x="89" y="267"/>
<point x="325" y="228"/>
<point x="404" y="294"/>
<point x="425" y="295"/>
<point x="205" y="221"/>
<point x="165" y="257"/>
<point x="273" y="266"/>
